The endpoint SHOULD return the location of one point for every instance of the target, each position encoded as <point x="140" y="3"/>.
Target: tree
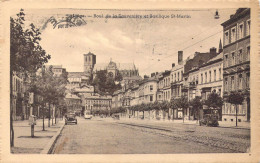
<point x="214" y="100"/>
<point x="235" y="98"/>
<point x="26" y="54"/>
<point x="104" y="84"/>
<point x="196" y="105"/>
<point x="182" y="103"/>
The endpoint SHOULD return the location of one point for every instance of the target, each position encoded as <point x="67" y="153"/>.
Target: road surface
<point x="108" y="136"/>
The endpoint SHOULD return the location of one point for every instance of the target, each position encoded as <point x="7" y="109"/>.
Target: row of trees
<point x="27" y="57"/>
<point x="213" y="101"/>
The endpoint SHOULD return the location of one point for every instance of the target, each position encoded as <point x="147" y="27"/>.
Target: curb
<point x="49" y="147"/>
<point x="187" y="123"/>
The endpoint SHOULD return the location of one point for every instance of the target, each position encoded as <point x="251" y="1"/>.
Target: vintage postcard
<point x="129" y="82"/>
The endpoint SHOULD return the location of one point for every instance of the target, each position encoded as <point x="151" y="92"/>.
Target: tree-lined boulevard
<point x="105" y="136"/>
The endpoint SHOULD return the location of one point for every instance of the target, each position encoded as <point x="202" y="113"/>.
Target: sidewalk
<point x="24" y="143"/>
<point x="241" y="125"/>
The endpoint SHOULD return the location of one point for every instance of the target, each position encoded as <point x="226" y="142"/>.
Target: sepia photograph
<point x="119" y="81"/>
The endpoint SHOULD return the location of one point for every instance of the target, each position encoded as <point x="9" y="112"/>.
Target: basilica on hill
<point x="81" y="94"/>
<point x="128" y="71"/>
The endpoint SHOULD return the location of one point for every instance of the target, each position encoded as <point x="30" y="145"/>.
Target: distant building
<point x="126" y="70"/>
<point x="236" y="63"/>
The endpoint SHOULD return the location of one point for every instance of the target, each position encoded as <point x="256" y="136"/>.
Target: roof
<point x="132" y="78"/>
<point x="239" y="13"/>
<point x="75" y="74"/>
<point x="219" y="56"/>
<point x="119" y="66"/>
<point x="72" y="96"/>
<point x="126" y="66"/>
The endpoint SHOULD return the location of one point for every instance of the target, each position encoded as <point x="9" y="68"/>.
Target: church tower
<point x="89" y="63"/>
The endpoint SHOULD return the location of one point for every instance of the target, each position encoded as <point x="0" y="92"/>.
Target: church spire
<point x="220" y="49"/>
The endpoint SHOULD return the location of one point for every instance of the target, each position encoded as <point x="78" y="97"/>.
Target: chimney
<point x="231" y="16"/>
<point x="152" y="74"/>
<point x="213" y="50"/>
<point x="173" y="65"/>
<point x="180" y="57"/>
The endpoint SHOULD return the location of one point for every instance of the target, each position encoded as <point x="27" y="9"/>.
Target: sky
<point x="152" y="44"/>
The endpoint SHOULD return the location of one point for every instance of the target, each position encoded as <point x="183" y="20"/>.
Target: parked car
<point x="209" y="120"/>
<point x="70" y="118"/>
<point x="116" y="117"/>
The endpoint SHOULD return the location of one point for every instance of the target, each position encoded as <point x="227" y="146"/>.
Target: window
<point x="226" y="84"/>
<point x="248" y="53"/>
<point x="178" y="76"/>
<point x="181" y="75"/>
<point x="219" y="92"/>
<point x="226" y="40"/>
<point x="174" y="76"/>
<point x="151" y="98"/>
<point x="248" y="80"/>
<point x="151" y="87"/>
<point x="205" y="77"/>
<point x="240" y="56"/>
<point x="232" y="83"/>
<point x="209" y="76"/>
<point x="233" y="34"/>
<point x="215" y="75"/>
<point x="248" y="28"/>
<point x="241" y="31"/>
<point x="226" y="60"/>
<point x="233" y="59"/>
<point x="201" y="78"/>
<point x="240" y="82"/>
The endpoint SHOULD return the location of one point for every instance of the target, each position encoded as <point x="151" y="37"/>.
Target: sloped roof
<point x="132" y="78"/>
<point x="72" y="96"/>
<point x="120" y="66"/>
<point x="75" y="74"/>
<point x="219" y="56"/>
<point x="126" y="66"/>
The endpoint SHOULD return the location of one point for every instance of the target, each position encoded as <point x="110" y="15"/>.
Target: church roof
<point x="126" y="66"/>
<point x="120" y="66"/>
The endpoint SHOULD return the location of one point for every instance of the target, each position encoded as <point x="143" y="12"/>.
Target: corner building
<point x="236" y="64"/>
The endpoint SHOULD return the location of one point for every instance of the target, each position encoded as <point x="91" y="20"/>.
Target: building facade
<point x="236" y="63"/>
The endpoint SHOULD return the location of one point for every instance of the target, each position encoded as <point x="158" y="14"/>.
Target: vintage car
<point x="70" y="118"/>
<point x="116" y="117"/>
<point x="209" y="120"/>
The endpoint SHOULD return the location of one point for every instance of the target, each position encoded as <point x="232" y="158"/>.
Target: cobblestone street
<point x="107" y="136"/>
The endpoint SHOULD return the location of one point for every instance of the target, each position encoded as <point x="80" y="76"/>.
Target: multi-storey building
<point x="194" y="78"/>
<point x="202" y="80"/>
<point x="98" y="103"/>
<point x="147" y="91"/>
<point x="176" y="78"/>
<point x="236" y="63"/>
